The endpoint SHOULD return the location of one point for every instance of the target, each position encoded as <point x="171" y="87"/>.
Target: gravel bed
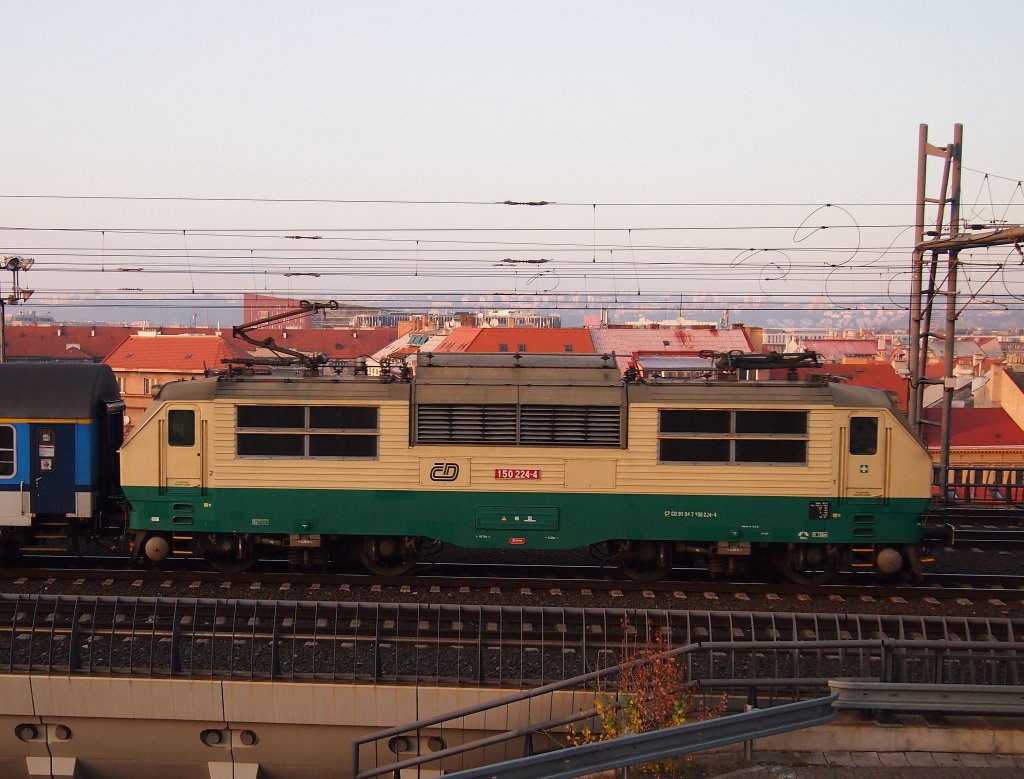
<point x="345" y="588"/>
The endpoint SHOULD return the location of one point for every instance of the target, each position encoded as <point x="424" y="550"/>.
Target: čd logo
<point x="444" y="472"/>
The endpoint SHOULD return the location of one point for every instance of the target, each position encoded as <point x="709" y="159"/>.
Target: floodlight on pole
<point x="13" y="263"/>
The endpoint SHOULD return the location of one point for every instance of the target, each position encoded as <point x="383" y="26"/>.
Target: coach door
<point x="865" y="456"/>
<point x="182" y="451"/>
<point x="53" y="468"/>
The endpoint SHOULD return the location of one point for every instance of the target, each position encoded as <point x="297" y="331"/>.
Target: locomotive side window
<point x="350" y="417"/>
<point x="694" y="450"/>
<point x="864" y="435"/>
<point x="181" y="427"/>
<point x="6" y="451"/>
<point x="307" y="431"/>
<point x="792" y="422"/>
<point x="695" y="421"/>
<point x="271" y="416"/>
<point x="732" y="437"/>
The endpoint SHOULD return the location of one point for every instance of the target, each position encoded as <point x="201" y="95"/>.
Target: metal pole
<point x="949" y="380"/>
<point x="916" y="272"/>
<point x="3" y="331"/>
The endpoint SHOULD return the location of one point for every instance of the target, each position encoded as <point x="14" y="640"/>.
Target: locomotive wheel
<point x="230" y="555"/>
<point x="388" y="555"/>
<point x="643" y="561"/>
<point x="809" y="563"/>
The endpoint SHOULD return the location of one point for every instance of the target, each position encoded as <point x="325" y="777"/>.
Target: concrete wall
<point x="91" y="727"/>
<point x="114" y="728"/>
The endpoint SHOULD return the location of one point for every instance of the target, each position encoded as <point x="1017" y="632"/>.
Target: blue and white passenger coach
<point x="61" y="425"/>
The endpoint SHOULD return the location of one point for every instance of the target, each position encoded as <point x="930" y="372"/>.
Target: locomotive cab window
<point x="718" y="436"/>
<point x="864" y="435"/>
<point x="181" y="427"/>
<point x="336" y="432"/>
<point x="7" y="450"/>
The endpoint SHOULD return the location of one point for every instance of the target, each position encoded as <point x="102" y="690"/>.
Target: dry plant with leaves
<point x="652" y="692"/>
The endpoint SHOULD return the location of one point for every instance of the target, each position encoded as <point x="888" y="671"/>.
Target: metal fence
<point x="982" y="485"/>
<point x="488" y="646"/>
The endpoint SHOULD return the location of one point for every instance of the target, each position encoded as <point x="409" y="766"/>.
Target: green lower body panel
<point x="531" y="520"/>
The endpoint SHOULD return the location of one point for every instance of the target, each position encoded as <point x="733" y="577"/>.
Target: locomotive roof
<point x="323" y="388"/>
<point x="562" y="360"/>
<point x="449" y="375"/>
<point x="53" y="390"/>
<point x="827" y="393"/>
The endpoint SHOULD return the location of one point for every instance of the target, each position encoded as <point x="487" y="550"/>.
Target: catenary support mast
<point x="946" y="237"/>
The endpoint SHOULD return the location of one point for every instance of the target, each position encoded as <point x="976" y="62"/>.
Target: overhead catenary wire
<point x="456" y="259"/>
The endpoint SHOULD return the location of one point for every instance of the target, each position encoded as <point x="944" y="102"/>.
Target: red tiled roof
<point x="542" y="340"/>
<point x="335" y="344"/>
<point x="458" y="340"/>
<point x="678" y="340"/>
<point x="177" y="353"/>
<point x="974" y="427"/>
<point x="81" y="342"/>
<point x="877" y="375"/>
<point x="63" y="342"/>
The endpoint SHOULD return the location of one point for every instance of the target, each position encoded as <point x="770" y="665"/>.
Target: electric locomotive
<point x="61" y="425"/>
<point x="529" y="451"/>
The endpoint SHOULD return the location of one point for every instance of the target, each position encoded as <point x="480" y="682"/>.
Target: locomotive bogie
<point x="555" y="455"/>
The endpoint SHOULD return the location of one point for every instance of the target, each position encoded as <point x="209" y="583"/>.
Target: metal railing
<point x="486" y="646"/>
<point x="983" y="485"/>
<point x="549" y="714"/>
<point x="991" y="700"/>
<point x="662" y="744"/>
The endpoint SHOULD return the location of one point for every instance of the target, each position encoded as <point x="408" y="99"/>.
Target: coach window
<point x="181" y="427"/>
<point x="6" y="451"/>
<point x="864" y="435"/>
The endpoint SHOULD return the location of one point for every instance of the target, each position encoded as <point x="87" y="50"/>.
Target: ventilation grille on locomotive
<point x="510" y="425"/>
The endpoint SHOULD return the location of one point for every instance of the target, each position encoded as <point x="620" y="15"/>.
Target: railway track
<point x="995" y="594"/>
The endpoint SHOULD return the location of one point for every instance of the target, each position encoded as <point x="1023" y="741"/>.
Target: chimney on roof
<point x="93" y="332"/>
<point x="60" y="331"/>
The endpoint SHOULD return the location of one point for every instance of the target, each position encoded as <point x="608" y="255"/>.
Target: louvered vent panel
<point x="569" y="425"/>
<point x="465" y="424"/>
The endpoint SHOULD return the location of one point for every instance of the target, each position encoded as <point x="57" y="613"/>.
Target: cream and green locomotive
<point x="529" y="452"/>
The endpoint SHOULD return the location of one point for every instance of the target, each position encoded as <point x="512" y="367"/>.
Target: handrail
<point x="991" y="699"/>
<point x="890" y="648"/>
<point x="661" y="744"/>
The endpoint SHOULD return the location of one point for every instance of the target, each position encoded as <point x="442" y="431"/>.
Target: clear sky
<point x="752" y="104"/>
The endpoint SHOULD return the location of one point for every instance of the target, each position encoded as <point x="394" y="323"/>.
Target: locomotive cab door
<point x="53" y="468"/>
<point x="182" y="450"/>
<point x="864" y="457"/>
